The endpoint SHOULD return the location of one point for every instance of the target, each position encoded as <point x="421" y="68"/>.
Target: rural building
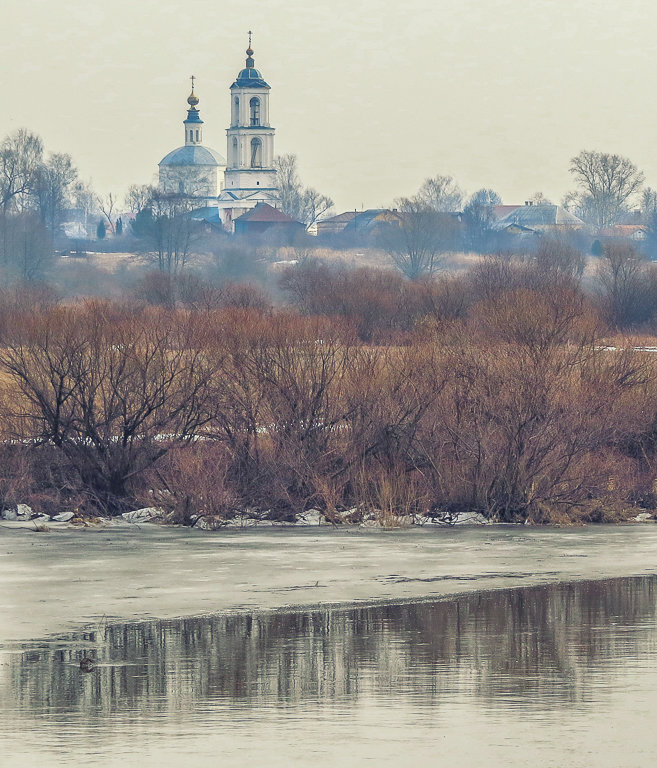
<point x="335" y="224"/>
<point x="193" y="170"/>
<point x="247" y="178"/>
<point x="542" y="218"/>
<point x="635" y="232"/>
<point x="368" y="221"/>
<point x="264" y="218"/>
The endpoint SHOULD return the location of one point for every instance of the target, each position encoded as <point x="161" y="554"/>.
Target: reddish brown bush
<point x="507" y="404"/>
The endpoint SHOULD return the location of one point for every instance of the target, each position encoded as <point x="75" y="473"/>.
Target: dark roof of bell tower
<point x="250" y="77"/>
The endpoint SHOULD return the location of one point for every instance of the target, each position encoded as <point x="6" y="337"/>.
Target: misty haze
<point x="328" y="384"/>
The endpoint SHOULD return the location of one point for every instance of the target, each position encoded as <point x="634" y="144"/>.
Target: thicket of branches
<point x="492" y="392"/>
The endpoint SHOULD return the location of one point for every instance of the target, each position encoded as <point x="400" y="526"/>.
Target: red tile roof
<point x="265" y="212"/>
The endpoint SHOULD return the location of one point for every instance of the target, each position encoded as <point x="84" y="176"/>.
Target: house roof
<point x="500" y="211"/>
<point x="208" y="213"/>
<point x="370" y="218"/>
<point x="543" y="215"/>
<point x="623" y="230"/>
<point x="266" y="213"/>
<point x="518" y="229"/>
<point x="346" y="216"/>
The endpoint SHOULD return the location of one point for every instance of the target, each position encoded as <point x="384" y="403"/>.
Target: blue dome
<point x="250" y="78"/>
<point x="193" y="154"/>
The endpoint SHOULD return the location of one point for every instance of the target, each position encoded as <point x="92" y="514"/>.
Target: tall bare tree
<point x="172" y="231"/>
<point x="139" y="197"/>
<point x="441" y="193"/>
<point x="621" y="282"/>
<point x="607" y="186"/>
<point x="84" y="198"/>
<point x="26" y="249"/>
<point x="21" y="157"/>
<point x="53" y="186"/>
<point x="648" y="204"/>
<point x="289" y="184"/>
<point x="304" y="204"/>
<point x="107" y="204"/>
<point x="314" y="206"/>
<point x="478" y="216"/>
<point x="539" y="198"/>
<point x="416" y="240"/>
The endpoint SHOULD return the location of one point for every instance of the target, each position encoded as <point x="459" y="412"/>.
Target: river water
<point x="551" y="667"/>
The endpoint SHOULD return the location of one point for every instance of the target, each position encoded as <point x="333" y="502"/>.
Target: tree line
<point x="36" y="188"/>
<point x="498" y="392"/>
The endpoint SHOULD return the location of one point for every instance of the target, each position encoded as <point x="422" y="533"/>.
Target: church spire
<point x="250" y="63"/>
<point x="193" y="123"/>
<point x="193" y="99"/>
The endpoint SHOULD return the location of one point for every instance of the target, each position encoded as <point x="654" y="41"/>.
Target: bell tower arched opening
<point x="254" y="106"/>
<point x="256" y="153"/>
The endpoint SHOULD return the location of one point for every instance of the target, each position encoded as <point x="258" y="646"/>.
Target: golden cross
<point x="192" y="78"/>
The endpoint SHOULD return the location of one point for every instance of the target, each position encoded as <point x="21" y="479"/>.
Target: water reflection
<point x="535" y="647"/>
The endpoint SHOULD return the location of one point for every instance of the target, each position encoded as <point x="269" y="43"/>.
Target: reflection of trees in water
<point x="535" y="644"/>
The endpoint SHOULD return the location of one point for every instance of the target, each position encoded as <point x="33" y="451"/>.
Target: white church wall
<point x="196" y="181"/>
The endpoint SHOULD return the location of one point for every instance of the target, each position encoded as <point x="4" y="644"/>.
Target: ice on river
<point x="68" y="579"/>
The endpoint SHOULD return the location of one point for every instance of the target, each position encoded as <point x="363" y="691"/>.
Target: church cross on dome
<point x="249" y="54"/>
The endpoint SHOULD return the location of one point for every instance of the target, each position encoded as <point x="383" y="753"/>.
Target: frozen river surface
<point x="479" y="646"/>
<point x="52" y="582"/>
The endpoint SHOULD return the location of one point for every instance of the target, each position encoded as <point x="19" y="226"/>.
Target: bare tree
<point x="21" y="156"/>
<point x="622" y="281"/>
<point x="648" y="204"/>
<point x="172" y="231"/>
<point x="607" y="183"/>
<point x="416" y="240"/>
<point x="105" y="386"/>
<point x="139" y="197"/>
<point x="538" y="198"/>
<point x="442" y="194"/>
<point x="289" y="184"/>
<point x="314" y="206"/>
<point x="53" y="186"/>
<point x="478" y="216"/>
<point x="106" y="204"/>
<point x="649" y="219"/>
<point x="555" y="257"/>
<point x="193" y="181"/>
<point x="25" y="246"/>
<point x="303" y="204"/>
<point x="84" y="198"/>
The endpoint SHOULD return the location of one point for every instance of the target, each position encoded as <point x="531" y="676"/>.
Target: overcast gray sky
<point x="372" y="96"/>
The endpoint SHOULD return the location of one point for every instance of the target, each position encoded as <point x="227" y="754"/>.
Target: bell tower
<point x="250" y="163"/>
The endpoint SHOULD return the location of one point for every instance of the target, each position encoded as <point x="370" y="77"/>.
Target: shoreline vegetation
<point x="504" y="392"/>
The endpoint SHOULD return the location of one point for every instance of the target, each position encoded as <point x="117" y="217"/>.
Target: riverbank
<point x="70" y="579"/>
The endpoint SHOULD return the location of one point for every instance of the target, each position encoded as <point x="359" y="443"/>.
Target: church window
<point x="256" y="153"/>
<point x="255" y="111"/>
<point x="181" y="188"/>
<point x="197" y="134"/>
<point x="236" y="111"/>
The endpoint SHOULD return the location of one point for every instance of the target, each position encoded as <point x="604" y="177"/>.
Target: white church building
<point x="228" y="188"/>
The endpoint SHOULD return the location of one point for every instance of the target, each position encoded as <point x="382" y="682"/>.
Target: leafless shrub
<point x="191" y="482"/>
